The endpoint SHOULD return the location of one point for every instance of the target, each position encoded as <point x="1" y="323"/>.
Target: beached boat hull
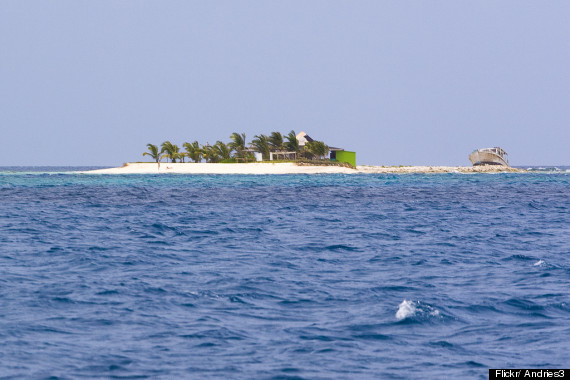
<point x="480" y="157"/>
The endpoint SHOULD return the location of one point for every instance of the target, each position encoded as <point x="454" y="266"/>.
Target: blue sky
<point x="399" y="82"/>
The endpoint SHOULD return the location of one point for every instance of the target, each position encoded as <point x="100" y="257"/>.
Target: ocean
<point x="282" y="277"/>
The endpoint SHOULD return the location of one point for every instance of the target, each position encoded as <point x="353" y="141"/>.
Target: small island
<point x="273" y="154"/>
<point x="291" y="168"/>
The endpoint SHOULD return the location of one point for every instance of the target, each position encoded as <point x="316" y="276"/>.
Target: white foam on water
<point x="408" y="309"/>
<point x="405" y="310"/>
<point x="538" y="263"/>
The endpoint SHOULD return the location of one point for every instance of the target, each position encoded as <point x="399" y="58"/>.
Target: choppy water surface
<point x="278" y="277"/>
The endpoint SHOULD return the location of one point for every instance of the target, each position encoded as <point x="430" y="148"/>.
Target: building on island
<point x="335" y="154"/>
<point x="303" y="139"/>
<point x="341" y="155"/>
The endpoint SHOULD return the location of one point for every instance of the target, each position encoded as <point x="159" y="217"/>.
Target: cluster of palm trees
<point x="238" y="149"/>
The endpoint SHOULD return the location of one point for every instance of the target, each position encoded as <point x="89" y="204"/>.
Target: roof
<point x="303" y="138"/>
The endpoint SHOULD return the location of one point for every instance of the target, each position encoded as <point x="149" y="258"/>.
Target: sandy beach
<point x="287" y="168"/>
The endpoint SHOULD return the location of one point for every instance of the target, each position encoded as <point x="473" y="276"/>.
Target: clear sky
<point x="399" y="82"/>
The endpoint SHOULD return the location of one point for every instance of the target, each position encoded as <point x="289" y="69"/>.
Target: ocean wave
<point x="548" y="169"/>
<point x="248" y="277"/>
<point x="415" y="309"/>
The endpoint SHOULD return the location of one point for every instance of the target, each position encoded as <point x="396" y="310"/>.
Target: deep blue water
<point x="282" y="277"/>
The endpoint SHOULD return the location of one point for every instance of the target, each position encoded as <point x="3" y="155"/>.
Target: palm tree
<point x="261" y="143"/>
<point x="317" y="148"/>
<point x="154" y="153"/>
<point x="210" y="153"/>
<point x="193" y="151"/>
<point x="238" y="143"/>
<point x="276" y="141"/>
<point x="222" y="150"/>
<point x="292" y="144"/>
<point x="172" y="151"/>
<point x="175" y="153"/>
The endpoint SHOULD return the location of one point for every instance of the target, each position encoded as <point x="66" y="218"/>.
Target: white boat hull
<point x="486" y="158"/>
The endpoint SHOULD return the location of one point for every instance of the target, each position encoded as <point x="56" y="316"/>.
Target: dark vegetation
<point x="286" y="149"/>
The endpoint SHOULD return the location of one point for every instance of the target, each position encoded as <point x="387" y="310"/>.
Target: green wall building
<point x="344" y="156"/>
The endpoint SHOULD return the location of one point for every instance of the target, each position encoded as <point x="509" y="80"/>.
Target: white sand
<point x="285" y="168"/>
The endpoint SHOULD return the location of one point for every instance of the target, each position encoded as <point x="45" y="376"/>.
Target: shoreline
<point x="289" y="168"/>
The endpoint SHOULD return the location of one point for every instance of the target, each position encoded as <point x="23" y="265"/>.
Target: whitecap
<point x="415" y="309"/>
<point x="405" y="310"/>
<point x="434" y="313"/>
